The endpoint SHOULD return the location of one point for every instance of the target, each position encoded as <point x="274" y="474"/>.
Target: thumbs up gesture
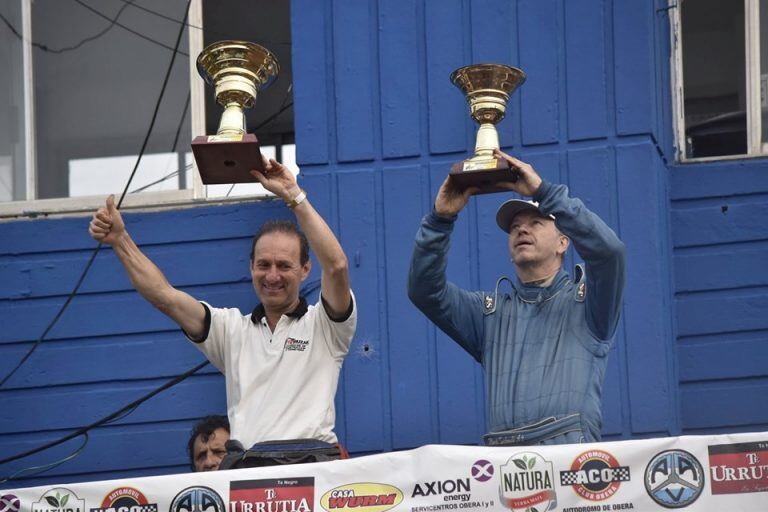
<point x="107" y="224"/>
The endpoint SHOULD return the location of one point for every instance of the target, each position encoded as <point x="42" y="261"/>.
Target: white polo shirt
<point x="281" y="384"/>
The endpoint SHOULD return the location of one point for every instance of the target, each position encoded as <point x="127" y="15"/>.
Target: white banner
<point x="697" y="473"/>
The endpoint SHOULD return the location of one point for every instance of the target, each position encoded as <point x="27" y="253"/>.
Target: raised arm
<point x="334" y="279"/>
<point x="107" y="226"/>
<point x="596" y="243"/>
<point x="457" y="312"/>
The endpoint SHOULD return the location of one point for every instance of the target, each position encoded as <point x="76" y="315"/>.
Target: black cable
<point x="113" y="22"/>
<point x="134" y="32"/>
<point x="122" y="196"/>
<point x="181" y="121"/>
<point x="45" y="48"/>
<point x="270" y="118"/>
<point x="160" y="180"/>
<point x="106" y="419"/>
<point x="209" y="31"/>
<point x="46" y="467"/>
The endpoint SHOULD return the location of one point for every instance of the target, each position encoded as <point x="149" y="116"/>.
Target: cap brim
<point x="509" y="209"/>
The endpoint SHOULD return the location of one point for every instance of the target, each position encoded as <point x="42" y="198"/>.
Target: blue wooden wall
<point x="377" y="126"/>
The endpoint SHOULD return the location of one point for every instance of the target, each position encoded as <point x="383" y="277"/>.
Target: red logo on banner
<point x="272" y="495"/>
<point x="738" y="468"/>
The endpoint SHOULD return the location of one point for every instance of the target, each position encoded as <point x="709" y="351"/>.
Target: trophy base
<point x="227" y="159"/>
<point x="485" y="175"/>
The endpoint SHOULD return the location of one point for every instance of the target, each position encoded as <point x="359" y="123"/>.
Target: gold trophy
<point x="487" y="88"/>
<point x="237" y="70"/>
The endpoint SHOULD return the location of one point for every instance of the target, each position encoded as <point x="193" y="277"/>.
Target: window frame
<point x="196" y="195"/>
<point x="755" y="147"/>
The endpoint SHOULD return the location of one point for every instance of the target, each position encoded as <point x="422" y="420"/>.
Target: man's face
<point x="276" y="270"/>
<point x="534" y="240"/>
<point x="207" y="455"/>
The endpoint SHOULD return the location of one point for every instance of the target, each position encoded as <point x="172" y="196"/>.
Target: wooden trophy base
<point x="486" y="176"/>
<point x="227" y="159"/>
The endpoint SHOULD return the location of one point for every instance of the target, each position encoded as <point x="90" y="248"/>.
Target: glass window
<point x="714" y="78"/>
<point x="94" y="102"/>
<point x="12" y="140"/>
<point x="81" y="80"/>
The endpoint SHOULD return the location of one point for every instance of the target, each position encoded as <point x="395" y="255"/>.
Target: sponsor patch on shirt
<point x="294" y="344"/>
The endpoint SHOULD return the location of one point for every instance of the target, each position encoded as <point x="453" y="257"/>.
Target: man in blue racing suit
<point x="544" y="345"/>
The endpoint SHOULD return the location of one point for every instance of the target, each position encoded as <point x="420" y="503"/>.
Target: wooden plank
<point x="108" y="314"/>
<point x="746" y="310"/>
<point x="457" y="371"/>
<point x="733" y="404"/>
<point x="539" y="45"/>
<point x="718" y="179"/>
<point x="720" y="223"/>
<point x="182" y="225"/>
<point x="111" y="449"/>
<point x="730" y="356"/>
<point x="399" y="62"/>
<point x="448" y="112"/>
<point x="365" y="367"/>
<point x="634" y="66"/>
<point x="586" y="69"/>
<point x="310" y="78"/>
<point x="646" y="298"/>
<point x="411" y="346"/>
<point x="494" y="40"/>
<point x="353" y="75"/>
<point x="140" y="356"/>
<point x="190" y="264"/>
<point x="70" y="407"/>
<point x="721" y="267"/>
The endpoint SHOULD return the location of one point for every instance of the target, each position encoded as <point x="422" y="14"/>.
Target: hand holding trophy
<point x="487" y="88"/>
<point x="237" y="70"/>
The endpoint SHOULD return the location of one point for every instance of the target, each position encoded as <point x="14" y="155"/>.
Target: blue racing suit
<point x="544" y="350"/>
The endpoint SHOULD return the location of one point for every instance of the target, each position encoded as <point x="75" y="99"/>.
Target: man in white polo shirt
<point x="281" y="362"/>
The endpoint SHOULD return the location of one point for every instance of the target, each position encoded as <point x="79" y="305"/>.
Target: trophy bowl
<point x="237" y="70"/>
<point x="487" y="88"/>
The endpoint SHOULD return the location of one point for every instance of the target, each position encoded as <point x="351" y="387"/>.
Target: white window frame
<point x="755" y="147"/>
<point x="195" y="195"/>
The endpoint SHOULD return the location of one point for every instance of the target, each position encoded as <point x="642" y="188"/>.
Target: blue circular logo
<point x="674" y="479"/>
<point x="198" y="499"/>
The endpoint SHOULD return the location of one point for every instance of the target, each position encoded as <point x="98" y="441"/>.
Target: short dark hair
<point x="205" y="429"/>
<point x="283" y="226"/>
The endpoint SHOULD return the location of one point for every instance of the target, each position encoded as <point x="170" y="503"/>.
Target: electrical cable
<point x="162" y="179"/>
<point x="113" y="22"/>
<point x="46" y="48"/>
<point x="119" y="203"/>
<point x="205" y="30"/>
<point x="134" y="32"/>
<point x="273" y="116"/>
<point x="46" y="467"/>
<point x="119" y="414"/>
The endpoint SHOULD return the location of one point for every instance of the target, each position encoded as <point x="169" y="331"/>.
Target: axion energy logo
<point x="59" y="499"/>
<point x="9" y="503"/>
<point x="366" y="496"/>
<point x="527" y="482"/>
<point x="125" y="499"/>
<point x="272" y="495"/>
<point x="674" y="479"/>
<point x="595" y="475"/>
<point x="738" y="468"/>
<point x="482" y="470"/>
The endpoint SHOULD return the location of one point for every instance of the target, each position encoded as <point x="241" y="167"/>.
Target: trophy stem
<point x="232" y="120"/>
<point x="487" y="140"/>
